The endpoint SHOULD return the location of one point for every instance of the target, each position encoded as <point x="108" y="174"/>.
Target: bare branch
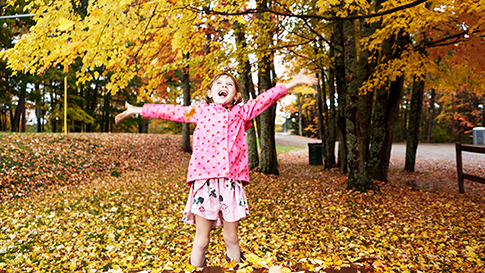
<point x="449" y="40"/>
<point x="310" y="16"/>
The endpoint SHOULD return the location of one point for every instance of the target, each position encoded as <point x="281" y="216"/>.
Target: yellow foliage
<point x="65" y="24"/>
<point x="119" y="36"/>
<point x="304" y="90"/>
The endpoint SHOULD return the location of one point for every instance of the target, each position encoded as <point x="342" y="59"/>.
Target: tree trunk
<point x="453" y="114"/>
<point x="357" y="175"/>
<point x="322" y="112"/>
<point x="321" y="109"/>
<point x="18" y="113"/>
<point x="483" y="108"/>
<point x="385" y="115"/>
<point x="186" y="126"/>
<point x="404" y="118"/>
<point x="431" y="112"/>
<point x="3" y="118"/>
<point x="300" y="116"/>
<point x="257" y="119"/>
<point x="413" y="127"/>
<point x="78" y="125"/>
<point x="330" y="136"/>
<point x="18" y="122"/>
<point x="91" y="102"/>
<point x="247" y="87"/>
<point x="143" y="127"/>
<point x="24" y="118"/>
<point x="342" y="93"/>
<point x="268" y="163"/>
<point x="38" y="112"/>
<point x="365" y="69"/>
<point x="106" y="117"/>
<point x="11" y="117"/>
<point x="53" y="101"/>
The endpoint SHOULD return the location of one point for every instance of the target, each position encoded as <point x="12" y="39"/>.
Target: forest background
<point x="389" y="70"/>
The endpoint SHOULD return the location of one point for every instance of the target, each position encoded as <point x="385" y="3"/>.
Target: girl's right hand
<point x="130" y="111"/>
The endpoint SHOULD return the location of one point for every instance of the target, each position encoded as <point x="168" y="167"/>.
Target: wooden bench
<point x="459" y="165"/>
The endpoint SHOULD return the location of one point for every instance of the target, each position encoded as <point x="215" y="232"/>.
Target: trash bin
<point x="479" y="136"/>
<point x="315" y="153"/>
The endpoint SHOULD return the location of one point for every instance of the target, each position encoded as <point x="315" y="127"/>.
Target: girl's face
<point x="223" y="91"/>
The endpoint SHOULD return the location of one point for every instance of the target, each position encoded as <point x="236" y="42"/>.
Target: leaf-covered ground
<point x="113" y="202"/>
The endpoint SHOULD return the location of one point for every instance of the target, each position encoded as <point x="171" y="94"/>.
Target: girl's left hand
<point x="301" y="79"/>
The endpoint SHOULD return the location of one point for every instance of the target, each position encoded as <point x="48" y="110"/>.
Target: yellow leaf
<point x="252" y="258"/>
<point x="124" y="3"/>
<point x="64" y="24"/>
<point x="230" y="264"/>
<point x="336" y="260"/>
<point x="377" y="263"/>
<point x="189" y="113"/>
<point x="189" y="267"/>
<point x="259" y="262"/>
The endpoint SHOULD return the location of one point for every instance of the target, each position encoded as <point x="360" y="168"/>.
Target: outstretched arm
<point x="264" y="100"/>
<point x="301" y="79"/>
<point x="130" y="111"/>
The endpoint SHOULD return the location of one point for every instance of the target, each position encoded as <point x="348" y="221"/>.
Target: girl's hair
<point x="237" y="98"/>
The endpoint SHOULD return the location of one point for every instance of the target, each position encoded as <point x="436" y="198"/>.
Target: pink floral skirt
<point x="216" y="199"/>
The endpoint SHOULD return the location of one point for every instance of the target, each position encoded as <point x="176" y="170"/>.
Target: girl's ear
<point x="237" y="98"/>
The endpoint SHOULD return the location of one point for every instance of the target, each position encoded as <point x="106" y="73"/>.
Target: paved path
<point x="435" y="164"/>
<point x="425" y="150"/>
<point x="294" y="140"/>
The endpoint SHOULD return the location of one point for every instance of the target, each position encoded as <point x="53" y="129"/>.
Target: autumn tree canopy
<point x="147" y="38"/>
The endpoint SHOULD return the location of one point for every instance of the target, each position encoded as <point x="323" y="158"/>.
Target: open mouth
<point x="223" y="93"/>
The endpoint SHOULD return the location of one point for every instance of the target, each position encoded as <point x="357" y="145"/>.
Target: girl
<point x="218" y="168"/>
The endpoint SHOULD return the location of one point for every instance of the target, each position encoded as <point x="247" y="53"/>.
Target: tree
<point x="13" y="84"/>
<point x="268" y="163"/>
<point x="247" y="88"/>
<point x="413" y="127"/>
<point x="185" y="126"/>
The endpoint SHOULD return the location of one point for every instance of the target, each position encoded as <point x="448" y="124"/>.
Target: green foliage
<point x="441" y="134"/>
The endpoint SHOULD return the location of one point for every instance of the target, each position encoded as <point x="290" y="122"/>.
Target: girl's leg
<point x="231" y="238"/>
<point x="201" y="240"/>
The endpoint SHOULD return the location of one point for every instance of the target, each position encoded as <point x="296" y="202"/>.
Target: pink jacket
<point x="219" y="140"/>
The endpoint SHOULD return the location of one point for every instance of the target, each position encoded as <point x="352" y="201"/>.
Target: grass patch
<point x="283" y="149"/>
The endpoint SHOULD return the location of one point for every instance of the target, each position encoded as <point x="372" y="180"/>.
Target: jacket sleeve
<point x="257" y="106"/>
<point x="166" y="111"/>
